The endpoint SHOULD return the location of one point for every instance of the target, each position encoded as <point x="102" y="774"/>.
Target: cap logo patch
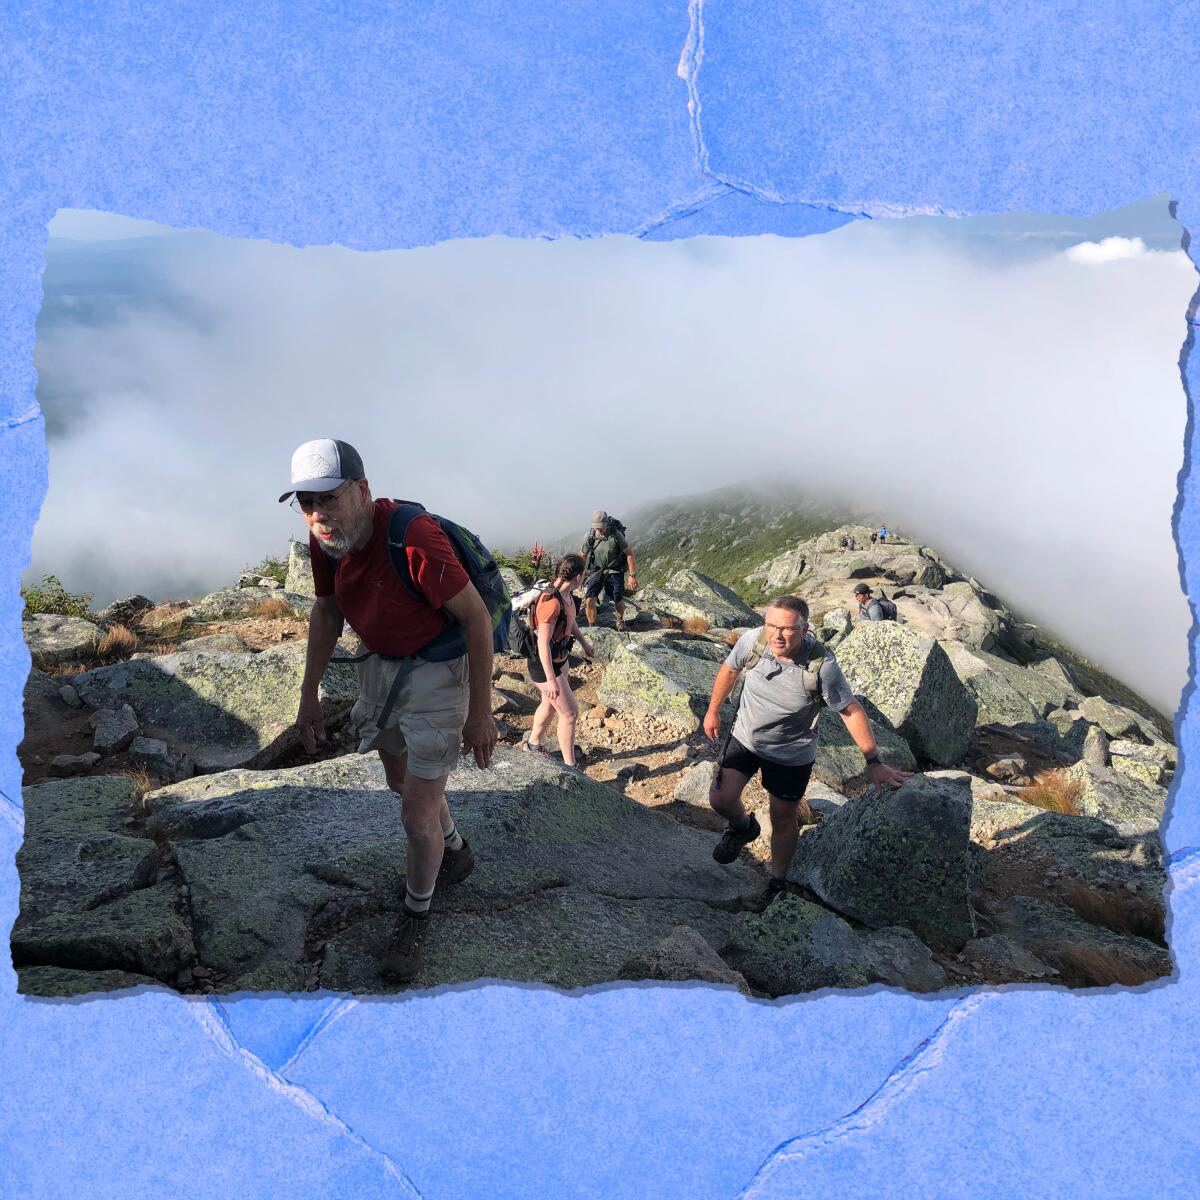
<point x="314" y="466"/>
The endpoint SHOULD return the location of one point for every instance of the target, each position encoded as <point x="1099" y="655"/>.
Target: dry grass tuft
<point x="143" y="782"/>
<point x="1086" y="966"/>
<point x="731" y="637"/>
<point x="273" y="607"/>
<point x="695" y="626"/>
<point x="119" y="642"/>
<point x="1055" y="791"/>
<point x="1122" y="912"/>
<point x="165" y="647"/>
<point x="59" y="668"/>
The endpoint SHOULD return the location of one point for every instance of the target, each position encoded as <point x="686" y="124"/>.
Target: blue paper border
<point x="402" y="124"/>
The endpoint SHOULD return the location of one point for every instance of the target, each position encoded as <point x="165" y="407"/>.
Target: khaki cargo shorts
<point x="427" y="716"/>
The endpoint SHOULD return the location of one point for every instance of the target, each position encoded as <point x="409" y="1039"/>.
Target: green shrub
<point x="51" y="597"/>
<point x="521" y="562"/>
<point x="270" y="567"/>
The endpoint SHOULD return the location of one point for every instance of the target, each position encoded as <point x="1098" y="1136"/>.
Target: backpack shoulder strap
<point x="403" y="515"/>
<point x="757" y="651"/>
<point x="812" y="671"/>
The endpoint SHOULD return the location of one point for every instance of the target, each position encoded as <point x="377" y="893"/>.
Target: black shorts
<point x="538" y="675"/>
<point x="779" y="780"/>
<point x="612" y="582"/>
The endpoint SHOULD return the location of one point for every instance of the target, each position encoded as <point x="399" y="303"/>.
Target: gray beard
<point x="342" y="541"/>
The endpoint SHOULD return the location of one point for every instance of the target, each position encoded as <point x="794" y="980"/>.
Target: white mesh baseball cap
<point x="321" y="465"/>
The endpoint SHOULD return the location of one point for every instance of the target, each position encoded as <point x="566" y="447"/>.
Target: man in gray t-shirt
<point x="789" y="678"/>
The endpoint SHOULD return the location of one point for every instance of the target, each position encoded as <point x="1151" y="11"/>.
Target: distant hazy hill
<point x="725" y="534"/>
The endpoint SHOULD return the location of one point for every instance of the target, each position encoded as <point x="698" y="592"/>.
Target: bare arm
<point x="859" y="727"/>
<point x="722" y="686"/>
<point x="573" y="629"/>
<point x="479" y="732"/>
<point x="325" y="624"/>
<point x="544" y="631"/>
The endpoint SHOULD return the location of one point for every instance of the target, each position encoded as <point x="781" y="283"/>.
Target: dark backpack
<point x="888" y="607"/>
<point x="479" y="565"/>
<point x="589" y="547"/>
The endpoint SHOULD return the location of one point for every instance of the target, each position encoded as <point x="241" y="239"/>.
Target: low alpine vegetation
<point x="1055" y="791"/>
<point x="50" y="596"/>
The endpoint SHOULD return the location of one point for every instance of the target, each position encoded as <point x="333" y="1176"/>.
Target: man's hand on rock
<point x="880" y="774"/>
<point x="310" y="721"/>
<point x="479" y="736"/>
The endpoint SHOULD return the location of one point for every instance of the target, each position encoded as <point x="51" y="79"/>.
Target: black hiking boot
<point x="456" y="864"/>
<point x="402" y="960"/>
<point x="732" y="840"/>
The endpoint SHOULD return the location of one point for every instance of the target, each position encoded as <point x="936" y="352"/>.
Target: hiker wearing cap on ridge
<point x="393" y="571"/>
<point x="552" y="623"/>
<point x="789" y="678"/>
<point x="869" y="609"/>
<point x="607" y="556"/>
<point x="872" y="609"/>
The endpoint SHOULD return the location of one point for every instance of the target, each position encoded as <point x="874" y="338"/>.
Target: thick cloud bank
<point x="1014" y="402"/>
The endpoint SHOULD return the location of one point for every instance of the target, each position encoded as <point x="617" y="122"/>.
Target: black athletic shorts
<point x="538" y="675"/>
<point x="612" y="582"/>
<point x="778" y="779"/>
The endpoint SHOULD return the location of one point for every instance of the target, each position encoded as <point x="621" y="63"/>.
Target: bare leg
<point x="395" y="767"/>
<point x="589" y="609"/>
<point x="568" y="712"/>
<point x="726" y="799"/>
<point x="424" y="800"/>
<point x="567" y="708"/>
<point x="541" y="718"/>
<point x="785" y="831"/>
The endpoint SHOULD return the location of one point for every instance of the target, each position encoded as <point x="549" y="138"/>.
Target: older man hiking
<point x="790" y="676"/>
<point x="415" y="712"/>
<point x="607" y="556"/>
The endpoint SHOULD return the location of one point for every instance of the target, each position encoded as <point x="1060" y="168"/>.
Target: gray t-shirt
<point x="777" y="718"/>
<point x="871" y="611"/>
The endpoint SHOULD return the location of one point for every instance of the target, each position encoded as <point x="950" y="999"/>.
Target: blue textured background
<point x="396" y="126"/>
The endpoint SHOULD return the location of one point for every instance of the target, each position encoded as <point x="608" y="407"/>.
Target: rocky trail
<point x="176" y="833"/>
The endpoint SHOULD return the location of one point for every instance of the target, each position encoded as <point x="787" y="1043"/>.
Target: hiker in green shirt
<point x="607" y="557"/>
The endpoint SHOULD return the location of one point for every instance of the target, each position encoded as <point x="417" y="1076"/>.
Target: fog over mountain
<point x="1003" y="388"/>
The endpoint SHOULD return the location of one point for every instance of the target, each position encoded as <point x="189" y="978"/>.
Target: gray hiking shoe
<point x="732" y="840"/>
<point x="402" y="960"/>
<point x="456" y="864"/>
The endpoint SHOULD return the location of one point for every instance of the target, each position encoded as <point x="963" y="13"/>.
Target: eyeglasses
<point x="306" y="502"/>
<point x="785" y="629"/>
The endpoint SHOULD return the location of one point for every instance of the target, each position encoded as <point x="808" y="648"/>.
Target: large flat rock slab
<point x="293" y="877"/>
<point x="223" y="710"/>
<point x="78" y="851"/>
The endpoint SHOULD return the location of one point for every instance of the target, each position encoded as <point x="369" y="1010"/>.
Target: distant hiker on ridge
<point x="425" y="687"/>
<point x="790" y="676"/>
<point x="607" y="556"/>
<point x="883" y="533"/>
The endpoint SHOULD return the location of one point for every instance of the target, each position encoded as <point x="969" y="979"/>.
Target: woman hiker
<point x="553" y="624"/>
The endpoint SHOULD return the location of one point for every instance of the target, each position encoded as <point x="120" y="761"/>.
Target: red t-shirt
<point x="375" y="603"/>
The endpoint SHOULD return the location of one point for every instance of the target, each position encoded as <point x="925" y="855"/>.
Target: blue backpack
<point x="479" y="565"/>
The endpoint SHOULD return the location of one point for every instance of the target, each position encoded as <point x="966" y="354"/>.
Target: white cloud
<point x="1109" y="249"/>
<point x="1025" y="418"/>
